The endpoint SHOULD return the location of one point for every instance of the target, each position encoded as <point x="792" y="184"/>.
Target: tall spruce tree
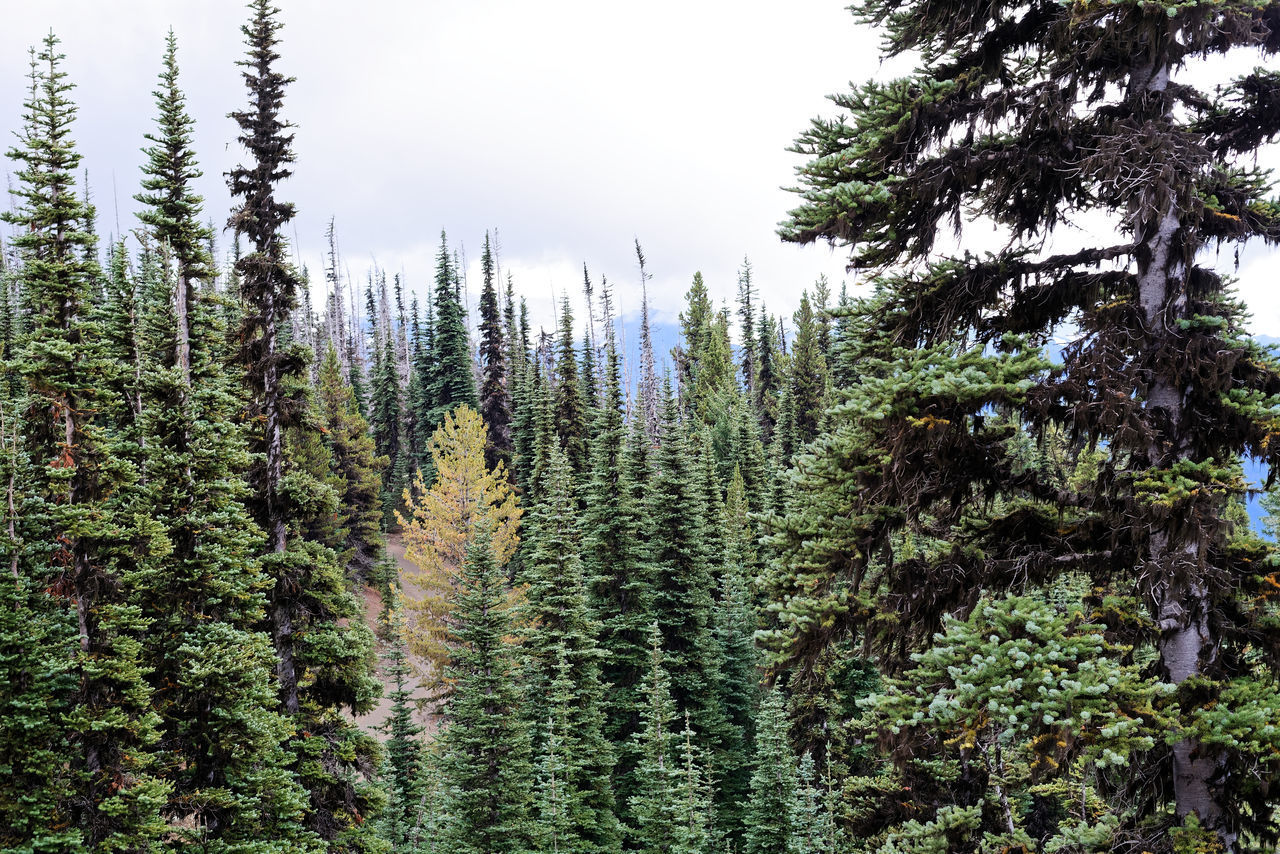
<point x="564" y="655"/>
<point x="324" y="657"/>
<point x="614" y="561"/>
<point x="385" y="418"/>
<point x="807" y="377"/>
<point x="404" y="751"/>
<point x="774" y="784"/>
<point x="746" y="326"/>
<point x="495" y="399"/>
<point x="210" y="665"/>
<point x="570" y="420"/>
<point x="649" y="391"/>
<point x="671" y="808"/>
<point x="452" y="380"/>
<point x="682" y="578"/>
<point x="171" y="208"/>
<point x="768" y="380"/>
<point x="487" y="764"/>
<point x="1024" y="117"/>
<point x="683" y="583"/>
<point x="356" y="462"/>
<point x="70" y="513"/>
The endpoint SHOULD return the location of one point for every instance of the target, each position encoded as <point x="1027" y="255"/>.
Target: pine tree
<point x="487" y="764"/>
<point x="495" y="401"/>
<point x="70" y="493"/>
<point x="1044" y="113"/>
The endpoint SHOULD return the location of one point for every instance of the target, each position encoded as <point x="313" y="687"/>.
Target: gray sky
<point x="572" y="127"/>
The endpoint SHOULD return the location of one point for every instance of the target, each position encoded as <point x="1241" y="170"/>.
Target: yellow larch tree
<point x="439" y="523"/>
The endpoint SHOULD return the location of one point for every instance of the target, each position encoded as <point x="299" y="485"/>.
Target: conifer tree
<point x="487" y="763"/>
<point x="807" y="376"/>
<point x="517" y="357"/>
<point x="570" y="421"/>
<point x="210" y="666"/>
<point x="704" y="363"/>
<point x="404" y="751"/>
<point x="813" y="826"/>
<point x="589" y="387"/>
<point x="324" y="656"/>
<point x="670" y="809"/>
<point x="618" y="574"/>
<point x="543" y="432"/>
<point x="768" y="382"/>
<point x="575" y="795"/>
<point x="562" y="647"/>
<point x="523" y="422"/>
<point x="357" y="464"/>
<point x="733" y="627"/>
<point x="682" y="578"/>
<point x="439" y="521"/>
<point x="69" y="514"/>
<point x="1024" y="118"/>
<point x="650" y="393"/>
<point x="495" y="400"/>
<point x="171" y="207"/>
<point x="121" y="318"/>
<point x="774" y="784"/>
<point x="414" y="439"/>
<point x="423" y="401"/>
<point x="746" y="327"/>
<point x="385" y="417"/>
<point x="452" y="380"/>
<point x="268" y="287"/>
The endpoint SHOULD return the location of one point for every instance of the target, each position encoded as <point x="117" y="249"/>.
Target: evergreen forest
<point x="955" y="558"/>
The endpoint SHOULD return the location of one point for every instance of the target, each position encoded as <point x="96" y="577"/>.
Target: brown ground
<point x="372" y="608"/>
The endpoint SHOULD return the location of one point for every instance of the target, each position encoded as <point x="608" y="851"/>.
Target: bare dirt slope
<point x="373" y="607"/>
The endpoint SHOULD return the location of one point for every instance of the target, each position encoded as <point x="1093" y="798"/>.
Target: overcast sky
<point x="572" y="127"/>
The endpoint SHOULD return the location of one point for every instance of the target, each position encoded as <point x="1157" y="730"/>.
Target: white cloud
<point x="574" y="126"/>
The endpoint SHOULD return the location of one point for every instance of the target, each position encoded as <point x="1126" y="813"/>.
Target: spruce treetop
<point x="173" y="209"/>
